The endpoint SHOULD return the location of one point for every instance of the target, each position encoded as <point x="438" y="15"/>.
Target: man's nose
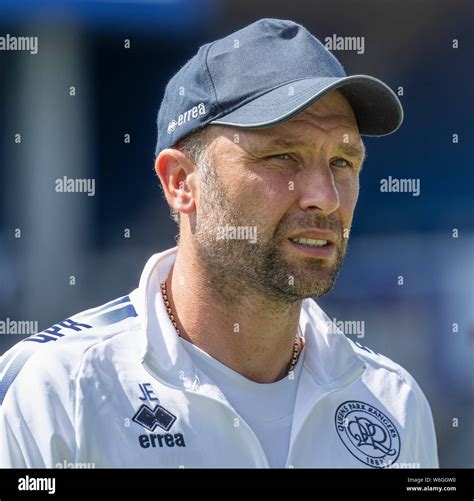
<point x="318" y="189"/>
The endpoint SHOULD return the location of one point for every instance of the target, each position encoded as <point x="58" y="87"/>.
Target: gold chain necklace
<point x="294" y="355"/>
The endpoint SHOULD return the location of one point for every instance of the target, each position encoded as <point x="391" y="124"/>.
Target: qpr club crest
<point x="368" y="434"/>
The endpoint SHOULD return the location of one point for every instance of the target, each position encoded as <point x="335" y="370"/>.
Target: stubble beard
<point x="237" y="267"/>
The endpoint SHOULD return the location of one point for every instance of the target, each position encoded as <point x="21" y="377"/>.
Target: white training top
<point x="113" y="387"/>
<point x="266" y="408"/>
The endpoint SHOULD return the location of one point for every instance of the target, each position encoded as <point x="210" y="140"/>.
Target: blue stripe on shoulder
<point x="16" y="361"/>
<point x="121" y="300"/>
<point x="114" y="316"/>
<point x="12" y="363"/>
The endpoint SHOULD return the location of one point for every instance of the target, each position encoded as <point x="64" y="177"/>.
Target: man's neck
<point x="248" y="333"/>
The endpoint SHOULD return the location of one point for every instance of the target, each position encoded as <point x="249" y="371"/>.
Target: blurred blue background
<point x="426" y="324"/>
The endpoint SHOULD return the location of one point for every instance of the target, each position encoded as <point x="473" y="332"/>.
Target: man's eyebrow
<point x="279" y="143"/>
<point x="353" y="151"/>
<point x="349" y="149"/>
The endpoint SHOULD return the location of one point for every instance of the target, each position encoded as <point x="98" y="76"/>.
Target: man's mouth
<point x="312" y="242"/>
<point x="318" y="248"/>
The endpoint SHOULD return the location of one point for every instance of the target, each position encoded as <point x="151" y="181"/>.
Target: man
<point x="219" y="358"/>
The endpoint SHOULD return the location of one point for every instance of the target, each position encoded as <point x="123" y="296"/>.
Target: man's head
<point x="259" y="152"/>
<point x="246" y="196"/>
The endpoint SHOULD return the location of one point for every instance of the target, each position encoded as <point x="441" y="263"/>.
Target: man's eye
<point x="281" y="156"/>
<point x="342" y="162"/>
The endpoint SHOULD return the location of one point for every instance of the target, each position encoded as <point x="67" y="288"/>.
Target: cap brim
<point x="377" y="108"/>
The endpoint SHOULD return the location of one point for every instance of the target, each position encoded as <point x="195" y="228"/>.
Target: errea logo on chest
<point x="152" y="415"/>
<point x="185" y="117"/>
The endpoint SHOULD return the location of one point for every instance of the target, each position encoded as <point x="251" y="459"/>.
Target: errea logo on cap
<point x="185" y="117"/>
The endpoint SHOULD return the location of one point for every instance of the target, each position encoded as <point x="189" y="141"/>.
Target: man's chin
<point x="308" y="292"/>
<point x="298" y="286"/>
<point x="313" y="280"/>
<point x="312" y="277"/>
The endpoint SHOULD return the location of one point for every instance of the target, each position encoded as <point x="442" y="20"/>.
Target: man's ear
<point x="179" y="180"/>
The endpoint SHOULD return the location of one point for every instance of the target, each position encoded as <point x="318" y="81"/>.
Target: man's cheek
<point x="348" y="195"/>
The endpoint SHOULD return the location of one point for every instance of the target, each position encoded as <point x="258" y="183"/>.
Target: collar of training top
<point x="330" y="356"/>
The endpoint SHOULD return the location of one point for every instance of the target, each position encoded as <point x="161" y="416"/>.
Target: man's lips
<point x="320" y="252"/>
<point x="315" y="235"/>
<point x="315" y="243"/>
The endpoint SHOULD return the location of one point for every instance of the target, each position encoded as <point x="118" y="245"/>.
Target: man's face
<point x="293" y="181"/>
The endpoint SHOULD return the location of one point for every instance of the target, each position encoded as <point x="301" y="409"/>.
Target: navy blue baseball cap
<point x="263" y="75"/>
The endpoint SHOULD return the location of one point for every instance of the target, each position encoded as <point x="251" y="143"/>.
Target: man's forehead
<point x="332" y="114"/>
<point x="351" y="144"/>
<point x="301" y="133"/>
<point x="281" y="137"/>
<point x="301" y="130"/>
<point x="333" y="107"/>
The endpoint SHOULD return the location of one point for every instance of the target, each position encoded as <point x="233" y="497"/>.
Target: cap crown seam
<point x="208" y="71"/>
